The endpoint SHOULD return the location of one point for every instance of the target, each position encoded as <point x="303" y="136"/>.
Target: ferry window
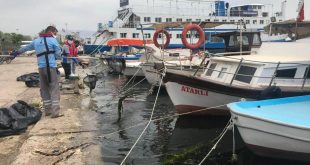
<point x="210" y="69"/>
<point x="198" y="20"/>
<point x="179" y="35"/>
<point x="123" y="35"/>
<point x="135" y="35"/>
<point x="256" y="40"/>
<point x="224" y="20"/>
<point x="259" y="7"/>
<point x="168" y="19"/>
<point x="207" y="20"/>
<point x="158" y="19"/>
<point x="245" y="40"/>
<point x="188" y="36"/>
<point x="179" y="19"/>
<point x="245" y="74"/>
<point x="147" y="35"/>
<point x="286" y="73"/>
<point x="232" y="20"/>
<point x="221" y="74"/>
<point x="265" y="14"/>
<point x="308" y="75"/>
<point x="231" y="41"/>
<point x="217" y="39"/>
<point x="247" y="21"/>
<point x="261" y="22"/>
<point x="216" y="20"/>
<point x="254" y="7"/>
<point x="188" y="20"/>
<point x="147" y="19"/>
<point x="254" y="21"/>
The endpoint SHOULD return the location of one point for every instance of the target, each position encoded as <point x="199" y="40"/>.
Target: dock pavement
<point x="65" y="140"/>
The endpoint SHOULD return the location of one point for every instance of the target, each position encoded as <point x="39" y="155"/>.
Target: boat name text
<point x="194" y="90"/>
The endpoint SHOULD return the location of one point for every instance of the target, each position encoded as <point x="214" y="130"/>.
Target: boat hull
<point x="152" y="75"/>
<point x="133" y="70"/>
<point x="218" y="94"/>
<point x="272" y="139"/>
<point x="189" y="99"/>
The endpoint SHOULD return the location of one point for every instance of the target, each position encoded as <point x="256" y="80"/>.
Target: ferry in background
<point x="213" y="16"/>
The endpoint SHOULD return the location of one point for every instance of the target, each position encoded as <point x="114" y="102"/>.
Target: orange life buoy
<point x="156" y="34"/>
<point x="201" y="40"/>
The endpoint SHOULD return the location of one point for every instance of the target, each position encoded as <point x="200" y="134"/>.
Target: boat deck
<point x="292" y="111"/>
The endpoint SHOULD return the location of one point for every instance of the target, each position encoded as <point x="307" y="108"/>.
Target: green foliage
<point x="186" y="155"/>
<point x="11" y="41"/>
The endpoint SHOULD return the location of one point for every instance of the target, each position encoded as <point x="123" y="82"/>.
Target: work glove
<point x="14" y="53"/>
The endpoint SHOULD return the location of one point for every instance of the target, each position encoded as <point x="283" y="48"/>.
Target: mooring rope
<point x="134" y="85"/>
<point x="149" y="122"/>
<point x="162" y="118"/>
<point x="215" y="145"/>
<point x="132" y="78"/>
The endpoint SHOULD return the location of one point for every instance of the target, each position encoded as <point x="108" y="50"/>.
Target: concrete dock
<point x="70" y="139"/>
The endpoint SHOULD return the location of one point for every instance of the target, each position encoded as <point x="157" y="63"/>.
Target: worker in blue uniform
<point x="47" y="50"/>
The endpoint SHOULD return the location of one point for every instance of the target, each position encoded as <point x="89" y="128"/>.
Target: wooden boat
<point x="229" y="79"/>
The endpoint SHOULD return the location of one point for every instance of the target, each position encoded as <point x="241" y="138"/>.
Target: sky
<point x="31" y="16"/>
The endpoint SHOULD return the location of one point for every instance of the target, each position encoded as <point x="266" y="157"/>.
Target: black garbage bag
<point x="15" y="119"/>
<point x="31" y="79"/>
<point x="30" y="76"/>
<point x="5" y="119"/>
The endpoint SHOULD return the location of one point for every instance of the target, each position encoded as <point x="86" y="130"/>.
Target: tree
<point x="10" y="41"/>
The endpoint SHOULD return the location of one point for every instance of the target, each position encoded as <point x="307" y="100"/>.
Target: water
<point x="164" y="137"/>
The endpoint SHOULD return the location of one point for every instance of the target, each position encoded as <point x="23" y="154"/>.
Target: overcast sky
<point x="31" y="16"/>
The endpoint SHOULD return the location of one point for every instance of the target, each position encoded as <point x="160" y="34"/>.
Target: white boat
<point x="179" y="59"/>
<point x="275" y="128"/>
<point x="213" y="16"/>
<point x="229" y="79"/>
<point x="123" y="51"/>
<point x="133" y="68"/>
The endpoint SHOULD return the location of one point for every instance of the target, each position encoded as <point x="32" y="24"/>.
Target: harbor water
<point x="176" y="140"/>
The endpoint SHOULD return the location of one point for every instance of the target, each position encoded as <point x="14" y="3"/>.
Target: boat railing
<point x="272" y="78"/>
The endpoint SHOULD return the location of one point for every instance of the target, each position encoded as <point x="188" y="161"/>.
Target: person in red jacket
<point x="69" y="50"/>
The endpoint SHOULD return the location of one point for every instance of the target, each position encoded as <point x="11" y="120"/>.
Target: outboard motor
<point x="271" y="92"/>
<point x="90" y="81"/>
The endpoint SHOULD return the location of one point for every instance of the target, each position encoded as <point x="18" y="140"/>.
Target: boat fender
<point x="201" y="40"/>
<point x="271" y="92"/>
<point x="155" y="37"/>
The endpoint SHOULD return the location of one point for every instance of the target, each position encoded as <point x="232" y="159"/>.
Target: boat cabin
<point x="232" y="40"/>
<point x="281" y="64"/>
